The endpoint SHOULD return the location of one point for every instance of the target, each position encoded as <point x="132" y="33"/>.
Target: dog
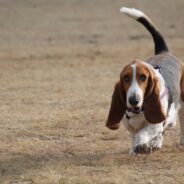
<point x="149" y="95"/>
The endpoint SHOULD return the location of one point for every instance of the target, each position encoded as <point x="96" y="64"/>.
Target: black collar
<point x="127" y="116"/>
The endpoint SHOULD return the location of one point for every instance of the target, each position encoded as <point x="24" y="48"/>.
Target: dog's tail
<point x="160" y="44"/>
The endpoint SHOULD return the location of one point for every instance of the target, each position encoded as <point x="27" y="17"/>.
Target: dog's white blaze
<point x="134" y="89"/>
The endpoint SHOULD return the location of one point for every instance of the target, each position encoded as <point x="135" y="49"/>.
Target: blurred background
<point x="59" y="61"/>
<point x="32" y="25"/>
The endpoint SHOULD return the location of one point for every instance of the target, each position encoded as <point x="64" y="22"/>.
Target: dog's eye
<point x="142" y="77"/>
<point x="126" y="78"/>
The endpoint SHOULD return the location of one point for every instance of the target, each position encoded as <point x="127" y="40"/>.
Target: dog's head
<point x="137" y="89"/>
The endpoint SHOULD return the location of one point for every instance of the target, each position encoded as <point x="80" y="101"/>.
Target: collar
<point x="127" y="116"/>
<point x="158" y="67"/>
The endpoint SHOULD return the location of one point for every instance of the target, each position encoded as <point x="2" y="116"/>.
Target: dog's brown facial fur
<point x="148" y="82"/>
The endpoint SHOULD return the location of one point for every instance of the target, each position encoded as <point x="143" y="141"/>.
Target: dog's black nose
<point x="133" y="100"/>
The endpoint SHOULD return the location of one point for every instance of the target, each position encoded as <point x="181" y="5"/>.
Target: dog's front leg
<point x="148" y="139"/>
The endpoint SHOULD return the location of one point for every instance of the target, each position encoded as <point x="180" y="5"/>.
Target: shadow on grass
<point x="18" y="165"/>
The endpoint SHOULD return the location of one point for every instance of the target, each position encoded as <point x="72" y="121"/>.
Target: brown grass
<point x="59" y="61"/>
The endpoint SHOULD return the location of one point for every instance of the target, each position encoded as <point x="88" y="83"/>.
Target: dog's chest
<point x="135" y="123"/>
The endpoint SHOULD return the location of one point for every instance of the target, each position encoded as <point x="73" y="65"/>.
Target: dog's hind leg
<point x="181" y="120"/>
<point x="171" y="117"/>
<point x="181" y="111"/>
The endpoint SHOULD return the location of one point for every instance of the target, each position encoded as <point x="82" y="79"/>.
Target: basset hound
<point x="149" y="95"/>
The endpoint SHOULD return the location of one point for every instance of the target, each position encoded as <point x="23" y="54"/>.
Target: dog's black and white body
<point x="150" y="94"/>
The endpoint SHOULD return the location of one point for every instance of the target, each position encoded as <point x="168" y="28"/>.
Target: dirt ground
<point x="59" y="61"/>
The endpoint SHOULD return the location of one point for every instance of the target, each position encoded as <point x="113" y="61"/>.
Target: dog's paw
<point x="142" y="149"/>
<point x="156" y="143"/>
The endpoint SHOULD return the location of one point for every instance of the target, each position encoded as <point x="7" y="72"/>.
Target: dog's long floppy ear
<point x="153" y="111"/>
<point x="117" y="109"/>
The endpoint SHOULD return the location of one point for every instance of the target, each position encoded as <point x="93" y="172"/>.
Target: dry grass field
<point x="59" y="61"/>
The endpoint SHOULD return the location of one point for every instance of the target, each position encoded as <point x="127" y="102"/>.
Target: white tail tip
<point x="131" y="12"/>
